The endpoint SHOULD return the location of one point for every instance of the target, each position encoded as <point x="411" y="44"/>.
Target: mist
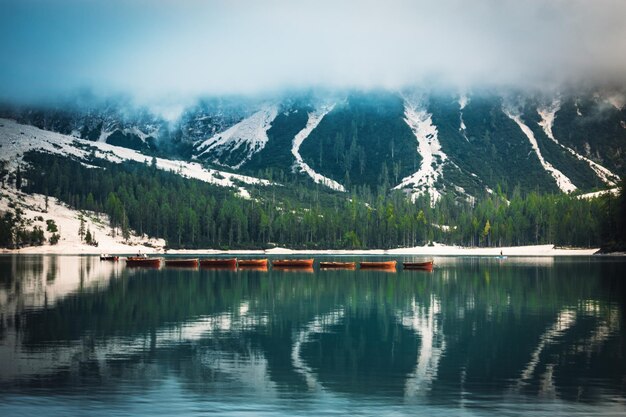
<point x="167" y="52"/>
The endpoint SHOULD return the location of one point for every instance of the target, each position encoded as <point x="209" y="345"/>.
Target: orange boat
<point x="182" y="263"/>
<point x="252" y="263"/>
<point x="378" y="265"/>
<point x="293" y="263"/>
<point x="338" y="265"/>
<point x="143" y="261"/>
<point x="219" y="263"/>
<point x="425" y="266"/>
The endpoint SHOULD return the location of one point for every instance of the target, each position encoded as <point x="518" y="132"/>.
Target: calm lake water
<point x="477" y="336"/>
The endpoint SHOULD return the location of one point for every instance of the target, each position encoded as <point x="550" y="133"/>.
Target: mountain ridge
<point x="417" y="141"/>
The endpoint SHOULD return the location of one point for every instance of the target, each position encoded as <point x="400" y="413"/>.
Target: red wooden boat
<point x="143" y="261"/>
<point x="338" y="265"/>
<point x="105" y="257"/>
<point x="252" y="263"/>
<point x="182" y="263"/>
<point x="293" y="263"/>
<point x="426" y="266"/>
<point x="378" y="265"/>
<point x="219" y="263"/>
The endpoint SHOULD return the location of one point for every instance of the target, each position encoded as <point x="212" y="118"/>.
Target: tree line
<point x="189" y="213"/>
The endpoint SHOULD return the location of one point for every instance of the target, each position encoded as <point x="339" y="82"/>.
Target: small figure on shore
<point x="501" y="252"/>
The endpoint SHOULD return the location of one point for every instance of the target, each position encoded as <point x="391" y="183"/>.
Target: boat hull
<point x="182" y="263"/>
<point x="387" y="265"/>
<point x="426" y="266"/>
<point x="293" y="263"/>
<point x="230" y="263"/>
<point x="143" y="262"/>
<point x="252" y="263"/>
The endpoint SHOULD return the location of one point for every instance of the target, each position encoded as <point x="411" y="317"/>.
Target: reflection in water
<point x="476" y="334"/>
<point x="317" y="326"/>
<point x="425" y="320"/>
<point x="565" y="320"/>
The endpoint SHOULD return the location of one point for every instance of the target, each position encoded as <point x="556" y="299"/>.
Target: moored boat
<point x="378" y="265"/>
<point x="427" y="266"/>
<point x="338" y="265"/>
<point x="252" y="263"/>
<point x="107" y="257"/>
<point x="182" y="263"/>
<point x="219" y="263"/>
<point x="293" y="263"/>
<point x="143" y="261"/>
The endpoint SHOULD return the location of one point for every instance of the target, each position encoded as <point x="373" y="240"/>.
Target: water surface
<point x="477" y="336"/>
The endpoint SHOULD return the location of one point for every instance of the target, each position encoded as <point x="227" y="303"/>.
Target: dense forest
<point x="193" y="214"/>
<point x="363" y="141"/>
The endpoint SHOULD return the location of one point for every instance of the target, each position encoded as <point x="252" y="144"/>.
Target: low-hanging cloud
<point x="175" y="49"/>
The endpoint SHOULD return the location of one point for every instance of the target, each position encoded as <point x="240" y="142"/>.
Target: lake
<point x="477" y="336"/>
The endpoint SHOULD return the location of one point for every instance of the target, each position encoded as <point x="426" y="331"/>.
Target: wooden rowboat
<point x="143" y="261"/>
<point x="182" y="263"/>
<point x="378" y="265"/>
<point x="427" y="266"/>
<point x="219" y="263"/>
<point x="252" y="263"/>
<point x="338" y="265"/>
<point x="105" y="257"/>
<point x="293" y="263"/>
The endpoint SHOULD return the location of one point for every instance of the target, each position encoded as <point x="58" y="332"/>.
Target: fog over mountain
<point x="166" y="53"/>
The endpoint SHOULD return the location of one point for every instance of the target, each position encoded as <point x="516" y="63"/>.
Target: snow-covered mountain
<point x="464" y="143"/>
<point x="17" y="139"/>
<point x="113" y="121"/>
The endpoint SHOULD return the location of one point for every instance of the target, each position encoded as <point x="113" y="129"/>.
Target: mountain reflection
<point x="472" y="329"/>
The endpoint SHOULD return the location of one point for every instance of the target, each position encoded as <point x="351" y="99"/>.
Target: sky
<point x="173" y="50"/>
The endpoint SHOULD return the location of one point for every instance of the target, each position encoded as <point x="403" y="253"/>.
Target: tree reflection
<point x="468" y="330"/>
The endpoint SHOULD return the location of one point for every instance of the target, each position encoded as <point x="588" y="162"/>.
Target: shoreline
<point x="436" y="250"/>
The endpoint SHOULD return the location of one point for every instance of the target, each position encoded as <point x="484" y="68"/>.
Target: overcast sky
<point x="159" y="50"/>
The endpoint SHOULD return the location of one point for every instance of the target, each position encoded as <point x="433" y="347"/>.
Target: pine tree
<point x="125" y="228"/>
<point x="18" y="178"/>
<point x="81" y="228"/>
<point x="486" y="232"/>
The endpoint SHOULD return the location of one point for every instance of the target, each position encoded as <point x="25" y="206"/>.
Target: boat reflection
<point x="458" y="336"/>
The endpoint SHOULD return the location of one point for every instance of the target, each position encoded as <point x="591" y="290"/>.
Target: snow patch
<point x="314" y="119"/>
<point x="617" y="100"/>
<point x="589" y="196"/>
<point x="104" y="135"/>
<point x="562" y="181"/>
<point x="141" y="135"/>
<point x="250" y="135"/>
<point x="578" y="112"/>
<point x="463" y="101"/>
<point x="68" y="223"/>
<point x="17" y="139"/>
<point x="548" y="115"/>
<point x="428" y="146"/>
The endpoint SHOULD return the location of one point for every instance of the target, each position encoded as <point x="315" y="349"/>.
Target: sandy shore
<point x="436" y="250"/>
